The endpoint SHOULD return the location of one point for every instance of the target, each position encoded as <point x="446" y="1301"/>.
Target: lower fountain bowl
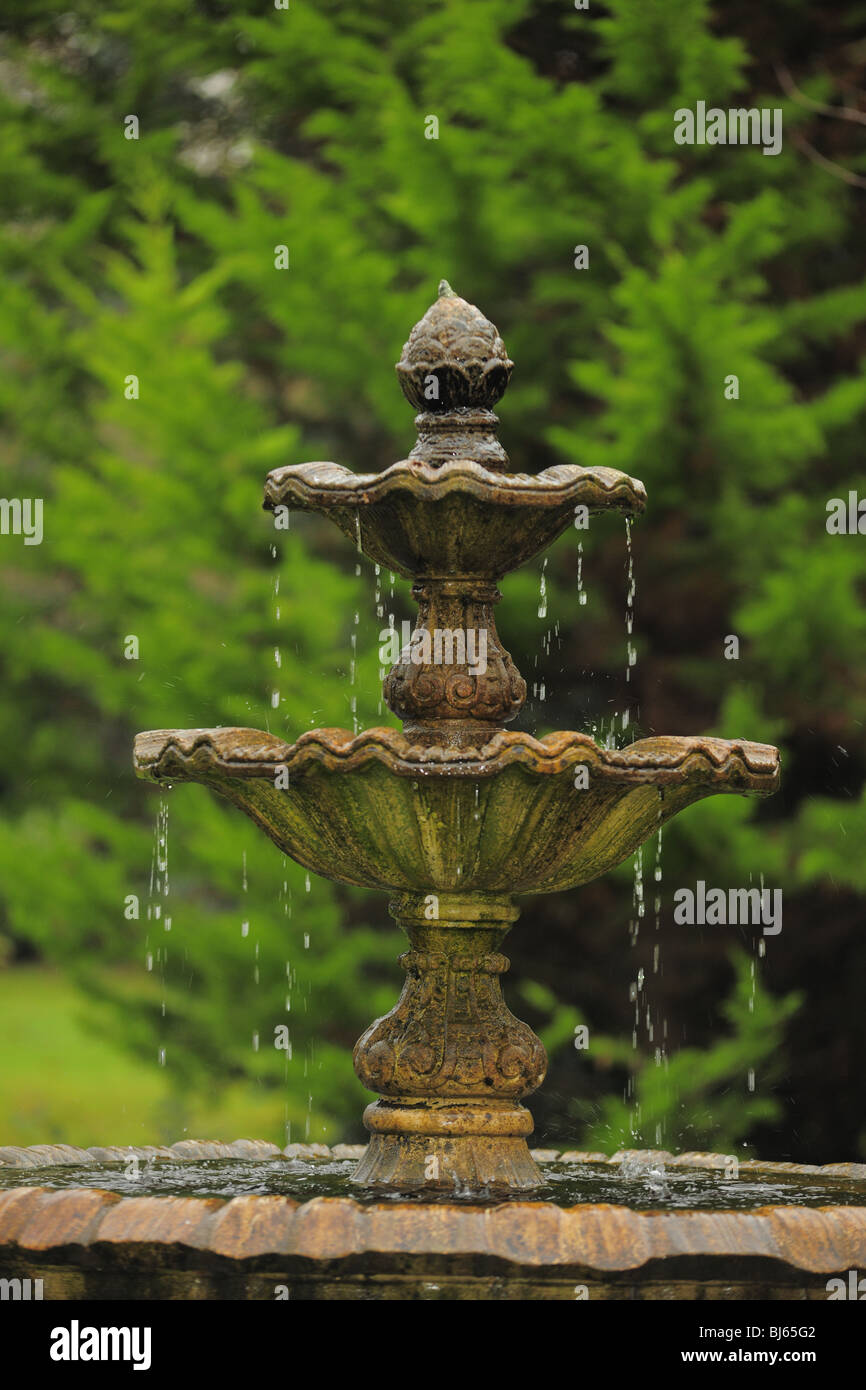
<point x="516" y="815"/>
<point x="251" y="1221"/>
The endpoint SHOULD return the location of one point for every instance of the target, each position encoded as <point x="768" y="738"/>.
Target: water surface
<point x="567" y="1184"/>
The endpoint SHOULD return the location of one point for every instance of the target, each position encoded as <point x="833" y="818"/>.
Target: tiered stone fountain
<point x="455" y="818"/>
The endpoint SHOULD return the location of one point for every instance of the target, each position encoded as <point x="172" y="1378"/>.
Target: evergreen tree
<point x="221" y="285"/>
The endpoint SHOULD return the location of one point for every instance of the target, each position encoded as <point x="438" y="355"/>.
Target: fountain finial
<point x="454" y="369"/>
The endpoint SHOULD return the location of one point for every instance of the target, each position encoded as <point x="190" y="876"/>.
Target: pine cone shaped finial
<point x="454" y="358"/>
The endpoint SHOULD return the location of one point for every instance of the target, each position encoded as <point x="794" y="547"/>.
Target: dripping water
<point x="657" y="896"/>
<point x="353" y="669"/>
<point x="284" y="895"/>
<point x="631" y="652"/>
<point x="158" y="893"/>
<point x="542" y="590"/>
<point x="275" y="693"/>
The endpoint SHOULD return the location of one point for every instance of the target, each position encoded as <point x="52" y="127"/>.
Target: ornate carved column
<point x="450" y="1060"/>
<point x="455" y="682"/>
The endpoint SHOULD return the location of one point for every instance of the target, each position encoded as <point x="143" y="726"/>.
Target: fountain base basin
<point x="249" y="1221"/>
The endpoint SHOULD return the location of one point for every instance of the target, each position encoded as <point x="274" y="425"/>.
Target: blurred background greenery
<point x="304" y="127"/>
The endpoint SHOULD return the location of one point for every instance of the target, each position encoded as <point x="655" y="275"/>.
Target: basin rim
<point x="667" y="760"/>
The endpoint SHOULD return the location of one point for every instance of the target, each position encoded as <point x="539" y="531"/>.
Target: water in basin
<point x="566" y="1184"/>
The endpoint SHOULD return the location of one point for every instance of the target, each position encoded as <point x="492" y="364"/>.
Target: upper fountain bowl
<point x="519" y="815"/>
<point x="454" y="518"/>
<point x="451" y="509"/>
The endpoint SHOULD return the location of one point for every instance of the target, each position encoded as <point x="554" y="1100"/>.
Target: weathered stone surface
<point x="120" y="1153"/>
<point x="450" y="1059"/>
<point x="436" y="686"/>
<point x="12" y="1156"/>
<point x="69" y="1217"/>
<point x="456" y="518"/>
<point x="159" y="1222"/>
<point x="461" y="350"/>
<point x="250" y="1226"/>
<point x="309" y="1152"/>
<point x="378" y="811"/>
<point x="354" y="1151"/>
<point x="200" y="1148"/>
<point x="256" y="1149"/>
<point x="17" y="1206"/>
<point x="528" y="1235"/>
<point x="845" y="1170"/>
<point x="582" y="1156"/>
<point x="186" y="1150"/>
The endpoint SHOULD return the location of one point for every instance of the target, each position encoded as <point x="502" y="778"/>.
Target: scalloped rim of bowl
<point x="598" y="1237"/>
<point x="242" y="752"/>
<point x="315" y="485"/>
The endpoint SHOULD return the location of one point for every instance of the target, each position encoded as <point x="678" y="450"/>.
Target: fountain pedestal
<point x="455" y="684"/>
<point x="450" y="1060"/>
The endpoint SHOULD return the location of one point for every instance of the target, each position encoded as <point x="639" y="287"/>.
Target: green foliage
<point x="695" y="1098"/>
<point x="155" y="258"/>
<point x="710" y="1098"/>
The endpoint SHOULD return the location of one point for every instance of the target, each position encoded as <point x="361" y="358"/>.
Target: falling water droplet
<point x="638" y="898"/>
<point x="581" y="592"/>
<point x="657" y="872"/>
<point x="542" y="591"/>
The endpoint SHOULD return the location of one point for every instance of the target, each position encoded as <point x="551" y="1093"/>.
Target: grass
<point x="61" y="1084"/>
